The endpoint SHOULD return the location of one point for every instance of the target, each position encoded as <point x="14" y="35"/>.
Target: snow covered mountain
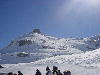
<point x="36" y="50"/>
<point x="35" y="45"/>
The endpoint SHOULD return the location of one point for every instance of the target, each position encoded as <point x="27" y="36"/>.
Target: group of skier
<point x="55" y="71"/>
<point x="19" y="73"/>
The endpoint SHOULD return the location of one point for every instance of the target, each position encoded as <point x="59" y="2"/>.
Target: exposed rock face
<point x="36" y="31"/>
<point x="22" y="54"/>
<point x="24" y="42"/>
<point x="1" y="66"/>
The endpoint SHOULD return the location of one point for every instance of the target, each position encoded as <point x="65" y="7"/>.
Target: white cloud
<point x="77" y="7"/>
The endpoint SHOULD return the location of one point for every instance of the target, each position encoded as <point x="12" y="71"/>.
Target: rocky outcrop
<point x="36" y="31"/>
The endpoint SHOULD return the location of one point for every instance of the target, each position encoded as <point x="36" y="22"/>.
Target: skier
<point x="49" y="72"/>
<point x="59" y="73"/>
<point x="47" y="68"/>
<point x="19" y="73"/>
<point x="55" y="70"/>
<point x="38" y="72"/>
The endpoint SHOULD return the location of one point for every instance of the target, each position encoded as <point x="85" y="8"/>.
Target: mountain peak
<point x="36" y="31"/>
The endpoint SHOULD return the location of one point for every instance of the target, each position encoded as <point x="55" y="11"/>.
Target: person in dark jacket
<point x="38" y="72"/>
<point x="59" y="73"/>
<point x="49" y="72"/>
<point x="14" y="74"/>
<point x="55" y="70"/>
<point x="10" y="73"/>
<point x="19" y="73"/>
<point x="67" y="72"/>
<point x="47" y="68"/>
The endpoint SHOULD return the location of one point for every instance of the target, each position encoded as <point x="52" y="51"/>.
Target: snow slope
<point x="87" y="59"/>
<point x="30" y="69"/>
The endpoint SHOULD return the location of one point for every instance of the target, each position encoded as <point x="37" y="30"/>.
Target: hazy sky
<point x="60" y="18"/>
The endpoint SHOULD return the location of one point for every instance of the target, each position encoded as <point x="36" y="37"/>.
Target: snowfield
<point x="36" y="50"/>
<point x="87" y="59"/>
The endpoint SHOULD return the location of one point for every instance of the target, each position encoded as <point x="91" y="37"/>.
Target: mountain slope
<point x="34" y="46"/>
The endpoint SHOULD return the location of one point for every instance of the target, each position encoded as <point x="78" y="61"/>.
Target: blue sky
<point x="60" y="18"/>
